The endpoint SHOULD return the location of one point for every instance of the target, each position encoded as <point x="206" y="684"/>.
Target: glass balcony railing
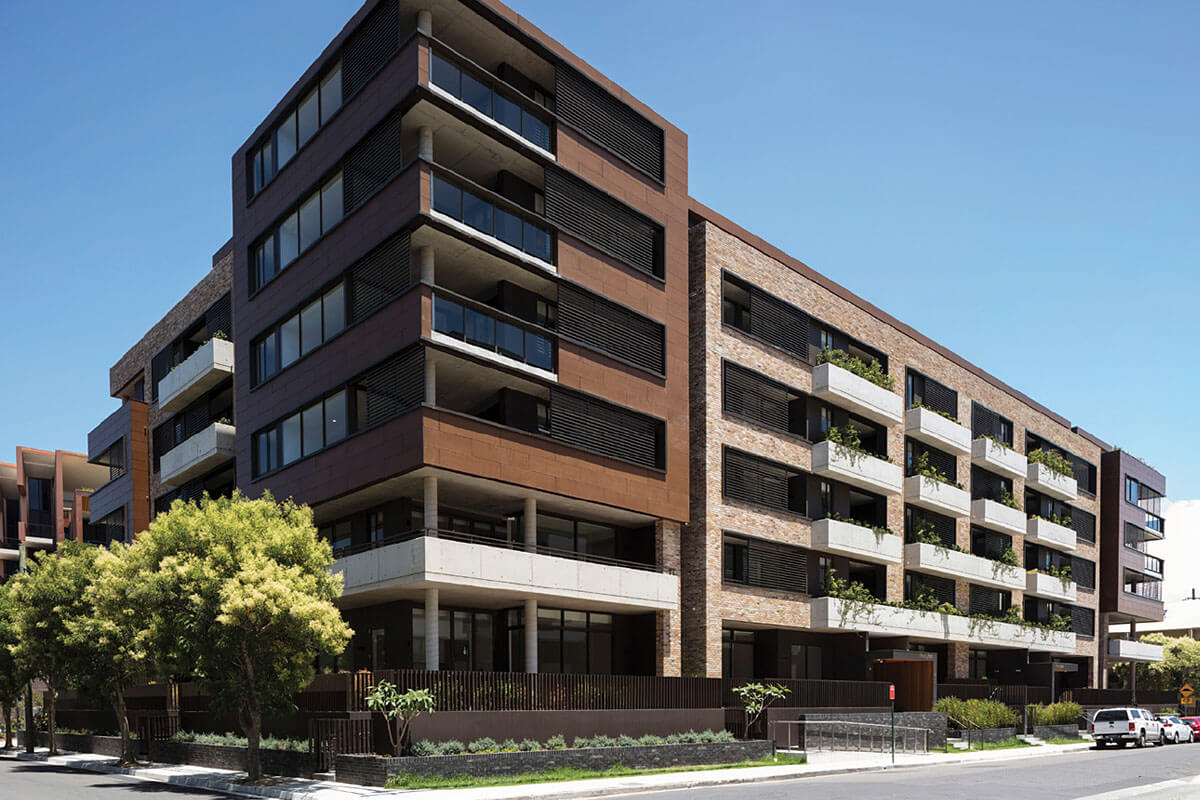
<point x="481" y="92"/>
<point x="471" y="208"/>
<point x="487" y="330"/>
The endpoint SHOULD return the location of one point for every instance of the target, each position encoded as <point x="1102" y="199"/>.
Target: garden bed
<point x="376" y="770"/>
<point x="81" y="742"/>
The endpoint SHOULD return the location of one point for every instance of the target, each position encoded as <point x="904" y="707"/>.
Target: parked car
<point x="1176" y="730"/>
<point x="1194" y="724"/>
<point x="1121" y="726"/>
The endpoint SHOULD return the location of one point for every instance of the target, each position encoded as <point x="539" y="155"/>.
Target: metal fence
<point x="328" y="736"/>
<point x="814" y="735"/>
<point x="1016" y="696"/>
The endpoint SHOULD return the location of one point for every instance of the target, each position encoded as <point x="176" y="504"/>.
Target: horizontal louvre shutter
<point x="160" y="365"/>
<point x="370" y="45"/>
<point x="941" y="461"/>
<point x="776" y="566"/>
<point x="779" y="323"/>
<point x="1083" y="621"/>
<point x="584" y="105"/>
<point x="756" y="480"/>
<point x="611" y="329"/>
<point x="372" y="162"/>
<point x="1083" y="572"/>
<point x="219" y="317"/>
<point x="749" y="394"/>
<point x="941" y="398"/>
<point x="942" y="588"/>
<point x="390" y="389"/>
<point x="985" y="422"/>
<point x="989" y="601"/>
<point x="611" y="226"/>
<point x="1084" y="473"/>
<point x="919" y="518"/>
<point x="1084" y="525"/>
<point x="604" y="429"/>
<point x="985" y="485"/>
<point x="989" y="544"/>
<point x="380" y="275"/>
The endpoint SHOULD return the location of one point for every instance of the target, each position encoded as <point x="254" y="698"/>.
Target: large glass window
<point x="301" y="333"/>
<point x="318" y="425"/>
<point x="289" y="435"/>
<point x="490" y="219"/>
<point x="296" y="128"/>
<point x="317" y="214"/>
<point x="479" y="94"/>
<point x="481" y="329"/>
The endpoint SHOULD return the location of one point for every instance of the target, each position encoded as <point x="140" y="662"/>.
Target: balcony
<point x="997" y="516"/>
<point x="1039" y="584"/>
<point x="843" y="388"/>
<point x="10" y="550"/>
<point x="477" y="570"/>
<point x="198" y="373"/>
<point x="483" y="332"/>
<point x="855" y="468"/>
<point x="1126" y="650"/>
<point x="937" y="431"/>
<point x="1050" y="534"/>
<point x="1047" y="481"/>
<point x="856" y="541"/>
<point x="480" y="213"/>
<point x="997" y="458"/>
<point x="198" y="454"/>
<point x="832" y="614"/>
<point x="962" y="566"/>
<point x="937" y="496"/>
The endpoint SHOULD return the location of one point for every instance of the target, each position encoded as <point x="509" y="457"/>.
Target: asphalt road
<point x="1066" y="777"/>
<point x="22" y="780"/>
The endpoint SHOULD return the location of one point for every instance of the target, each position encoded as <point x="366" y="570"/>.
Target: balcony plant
<point x="1057" y="520"/>
<point x="878" y="530"/>
<point x="997" y="441"/>
<point x="872" y="371"/>
<point x="848" y="445"/>
<point x="1053" y="460"/>
<point x="1006" y="498"/>
<point x="925" y="533"/>
<point x="932" y="474"/>
<point x="1008" y="556"/>
<point x="937" y="411"/>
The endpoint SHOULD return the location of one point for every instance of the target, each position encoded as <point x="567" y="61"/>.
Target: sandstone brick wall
<point x="707" y="603"/>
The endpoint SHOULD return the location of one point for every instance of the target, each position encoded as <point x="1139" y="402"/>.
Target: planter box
<point x="855" y="541"/>
<point x="376" y="770"/>
<point x="1068" y="731"/>
<point x="937" y="496"/>
<point x="1040" y="584"/>
<point x="962" y="566"/>
<point x="997" y="458"/>
<point x="935" y="430"/>
<point x="857" y="469"/>
<point x="843" y="388"/>
<point x="998" y="516"/>
<point x="1049" y="482"/>
<point x="79" y="742"/>
<point x="1050" y="534"/>
<point x="288" y="763"/>
<point x="203" y="451"/>
<point x="203" y="369"/>
<point x="1126" y="650"/>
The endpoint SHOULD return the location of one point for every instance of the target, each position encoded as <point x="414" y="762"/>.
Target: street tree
<point x="45" y="601"/>
<point x="13" y="678"/>
<point x="238" y="594"/>
<point x="1180" y="664"/>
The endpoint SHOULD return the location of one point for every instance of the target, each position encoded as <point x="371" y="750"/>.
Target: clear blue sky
<point x="1016" y="180"/>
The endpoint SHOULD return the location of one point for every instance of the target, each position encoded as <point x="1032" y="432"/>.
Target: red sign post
<point x="892" y="697"/>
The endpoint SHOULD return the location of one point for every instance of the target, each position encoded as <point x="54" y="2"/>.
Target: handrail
<point x="872" y="728"/>
<point x="966" y="726"/>
<point x="507" y="544"/>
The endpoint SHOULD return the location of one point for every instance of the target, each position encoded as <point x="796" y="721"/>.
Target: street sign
<point x="892" y="691"/>
<point x="1186" y="690"/>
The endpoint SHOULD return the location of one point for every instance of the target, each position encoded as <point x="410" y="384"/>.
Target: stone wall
<point x="287" y="763"/>
<point x="1069" y="731"/>
<point x="375" y="771"/>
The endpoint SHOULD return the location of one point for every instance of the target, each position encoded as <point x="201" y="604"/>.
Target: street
<point x="1067" y="777"/>
<point x="30" y="779"/>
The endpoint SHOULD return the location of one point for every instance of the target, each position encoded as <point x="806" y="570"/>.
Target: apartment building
<point x="852" y="478"/>
<point x="45" y="500"/>
<point x="173" y="435"/>
<point x="460" y="279"/>
<point x="1131" y="521"/>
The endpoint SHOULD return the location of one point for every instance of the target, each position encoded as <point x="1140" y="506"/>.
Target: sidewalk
<point x="300" y="789"/>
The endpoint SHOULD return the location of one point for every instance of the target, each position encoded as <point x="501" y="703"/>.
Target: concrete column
<point x="425" y="259"/>
<point x="431" y="629"/>
<point x="430" y="380"/>
<point x="425" y="22"/>
<point x="1133" y="665"/>
<point x="531" y="639"/>
<point x="431" y="505"/>
<point x="425" y="144"/>
<point x="529" y="523"/>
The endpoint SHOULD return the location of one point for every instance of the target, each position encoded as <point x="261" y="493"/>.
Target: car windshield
<point x="1114" y="715"/>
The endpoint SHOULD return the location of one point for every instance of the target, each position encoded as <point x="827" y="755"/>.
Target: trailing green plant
<point x="879" y="530"/>
<point x="1056" y="713"/>
<point x="1009" y="557"/>
<point x="996" y="440"/>
<point x="930" y="472"/>
<point x="937" y="411"/>
<point x="1063" y="573"/>
<point x="1057" y="520"/>
<point x="1053" y="460"/>
<point x="848" y="445"/>
<point x="1007" y="498"/>
<point x="1058" y="622"/>
<point x="224" y="337"/>
<point x="224" y="421"/>
<point x="976" y="712"/>
<point x="872" y="371"/>
<point x="925" y="533"/>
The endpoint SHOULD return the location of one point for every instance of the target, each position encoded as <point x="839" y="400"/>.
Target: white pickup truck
<point x="1125" y="725"/>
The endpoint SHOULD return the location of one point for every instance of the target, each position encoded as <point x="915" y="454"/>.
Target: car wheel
<point x="1162" y="738"/>
<point x="1141" y="741"/>
<point x="1101" y="744"/>
<point x="1121" y="744"/>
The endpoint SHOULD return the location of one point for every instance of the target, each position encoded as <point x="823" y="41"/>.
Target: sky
<point x="1016" y="180"/>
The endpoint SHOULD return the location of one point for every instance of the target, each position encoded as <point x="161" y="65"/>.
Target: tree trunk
<point x="30" y="733"/>
<point x="253" y="732"/>
<point x="127" y="754"/>
<point x="7" y="726"/>
<point x="51" y="719"/>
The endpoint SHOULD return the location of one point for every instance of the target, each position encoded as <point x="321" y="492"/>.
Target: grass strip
<point x="570" y="774"/>
<point x="1003" y="744"/>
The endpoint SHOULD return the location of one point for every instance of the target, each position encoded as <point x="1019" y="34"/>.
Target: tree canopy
<point x="1180" y="664"/>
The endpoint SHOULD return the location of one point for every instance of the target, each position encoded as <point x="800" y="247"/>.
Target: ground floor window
<point x="572" y="642"/>
<point x="464" y="640"/>
<point x="978" y="663"/>
<point x="737" y="654"/>
<point x="806" y="661"/>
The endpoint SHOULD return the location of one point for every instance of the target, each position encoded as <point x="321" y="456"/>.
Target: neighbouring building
<point x="460" y="280"/>
<point x="173" y="435"/>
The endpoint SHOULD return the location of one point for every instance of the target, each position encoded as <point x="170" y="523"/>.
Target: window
<point x="764" y="316"/>
<point x="928" y="393"/>
<point x="500" y="336"/>
<point x="492" y="220"/>
<point x="978" y="664"/>
<point x="487" y="101"/>
<point x="318" y="425"/>
<point x="295" y="129"/>
<point x="737" y="653"/>
<point x="759" y="481"/>
<point x="301" y="333"/>
<point x="316" y="215"/>
<point x="985" y="422"/>
<point x="747" y="394"/>
<point x="769" y="565"/>
<point x="806" y="661"/>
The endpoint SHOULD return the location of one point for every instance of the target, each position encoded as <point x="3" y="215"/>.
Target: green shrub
<point x="626" y="741"/>
<point x="673" y="739"/>
<point x="450" y="748"/>
<point x="233" y="740"/>
<point x="723" y="736"/>
<point x="508" y="746"/>
<point x="650" y="739"/>
<point x="600" y="740"/>
<point x="424" y="748"/>
<point x="485" y="744"/>
<point x="556" y="742"/>
<point x="872" y="371"/>
<point x="1052" y="460"/>
<point x="529" y="744"/>
<point x="1056" y="713"/>
<point x="977" y="713"/>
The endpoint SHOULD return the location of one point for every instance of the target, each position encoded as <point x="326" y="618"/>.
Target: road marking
<point x="1178" y="789"/>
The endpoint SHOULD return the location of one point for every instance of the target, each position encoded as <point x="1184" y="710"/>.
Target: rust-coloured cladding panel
<point x="1116" y="511"/>
<point x="139" y="467"/>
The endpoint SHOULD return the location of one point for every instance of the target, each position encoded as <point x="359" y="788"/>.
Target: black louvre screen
<point x="1084" y="525"/>
<point x="605" y="429"/>
<point x="985" y="422"/>
<point x="1083" y="572"/>
<point x="1084" y="472"/>
<point x="940" y="398"/>
<point x="372" y="162"/>
<point x="1083" y="621"/>
<point x="769" y="565"/>
<point x="610" y="328"/>
<point x="603" y="222"/>
<point x="918" y="519"/>
<point x="593" y="111"/>
<point x="748" y="394"/>
<point x="766" y="483"/>
<point x="779" y="323"/>
<point x="989" y="601"/>
<point x="942" y="588"/>
<point x="943" y="462"/>
<point x="370" y="46"/>
<point x="180" y="428"/>
<point x="989" y="544"/>
<point x="219" y="317"/>
<point x="380" y="275"/>
<point x="390" y="389"/>
<point x="160" y="365"/>
<point x="986" y="485"/>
